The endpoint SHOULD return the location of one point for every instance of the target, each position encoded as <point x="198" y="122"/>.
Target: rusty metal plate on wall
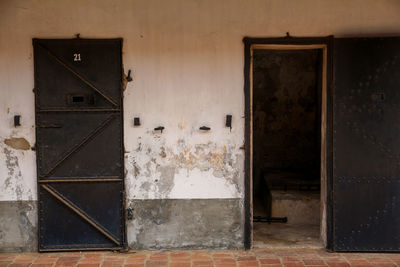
<point x="366" y="144"/>
<point x="79" y="144"/>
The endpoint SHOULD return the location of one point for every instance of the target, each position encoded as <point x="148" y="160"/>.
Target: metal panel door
<point x="366" y="144"/>
<point x="79" y="144"/>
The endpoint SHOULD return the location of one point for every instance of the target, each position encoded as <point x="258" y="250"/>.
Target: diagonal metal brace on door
<point x="78" y="75"/>
<point x="89" y="137"/>
<point x="81" y="213"/>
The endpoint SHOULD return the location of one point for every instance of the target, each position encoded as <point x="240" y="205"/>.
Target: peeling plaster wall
<point x="187" y="63"/>
<point x="18" y="170"/>
<point x="158" y="169"/>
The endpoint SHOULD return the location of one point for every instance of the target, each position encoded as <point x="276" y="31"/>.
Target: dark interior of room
<point x="286" y="146"/>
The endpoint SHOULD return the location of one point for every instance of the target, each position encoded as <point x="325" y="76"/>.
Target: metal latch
<point x="129" y="214"/>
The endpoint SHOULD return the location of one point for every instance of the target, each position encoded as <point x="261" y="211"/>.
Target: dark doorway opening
<point x="287" y="115"/>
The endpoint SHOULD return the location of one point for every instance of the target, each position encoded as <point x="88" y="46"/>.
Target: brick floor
<point x="201" y="258"/>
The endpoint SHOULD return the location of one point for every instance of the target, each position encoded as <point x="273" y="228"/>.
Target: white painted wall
<point x="187" y="62"/>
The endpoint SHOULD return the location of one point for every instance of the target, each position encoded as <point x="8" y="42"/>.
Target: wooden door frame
<point x="292" y="43"/>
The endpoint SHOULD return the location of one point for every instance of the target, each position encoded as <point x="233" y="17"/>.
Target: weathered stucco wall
<point x="187" y="62"/>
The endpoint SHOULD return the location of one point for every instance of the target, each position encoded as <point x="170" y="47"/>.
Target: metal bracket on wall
<point x="129" y="77"/>
<point x="17" y="120"/>
<point x="205" y="128"/>
<point x="159" y="128"/>
<point x="129" y="214"/>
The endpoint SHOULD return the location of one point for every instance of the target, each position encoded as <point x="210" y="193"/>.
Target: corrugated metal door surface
<point x="79" y="144"/>
<point x="366" y="144"/>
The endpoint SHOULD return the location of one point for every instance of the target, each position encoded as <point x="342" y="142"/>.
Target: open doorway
<point x="288" y="125"/>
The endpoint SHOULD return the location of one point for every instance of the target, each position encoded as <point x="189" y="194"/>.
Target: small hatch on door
<point x="80" y="99"/>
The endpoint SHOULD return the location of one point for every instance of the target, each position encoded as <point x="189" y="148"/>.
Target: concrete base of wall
<point x="186" y="223"/>
<point x="156" y="224"/>
<point x="18" y="226"/>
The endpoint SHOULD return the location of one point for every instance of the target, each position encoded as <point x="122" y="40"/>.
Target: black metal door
<point x="79" y="144"/>
<point x="366" y="144"/>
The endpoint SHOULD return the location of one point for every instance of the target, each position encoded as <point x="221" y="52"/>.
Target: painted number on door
<point x="77" y="57"/>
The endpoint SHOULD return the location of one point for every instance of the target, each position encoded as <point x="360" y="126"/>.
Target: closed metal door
<point x="366" y="144"/>
<point x="79" y="144"/>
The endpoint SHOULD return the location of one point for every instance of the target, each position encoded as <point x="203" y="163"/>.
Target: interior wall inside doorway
<point x="286" y="125"/>
<point x="287" y="104"/>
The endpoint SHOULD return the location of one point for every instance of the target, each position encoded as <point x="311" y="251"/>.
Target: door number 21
<point x="77" y="57"/>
